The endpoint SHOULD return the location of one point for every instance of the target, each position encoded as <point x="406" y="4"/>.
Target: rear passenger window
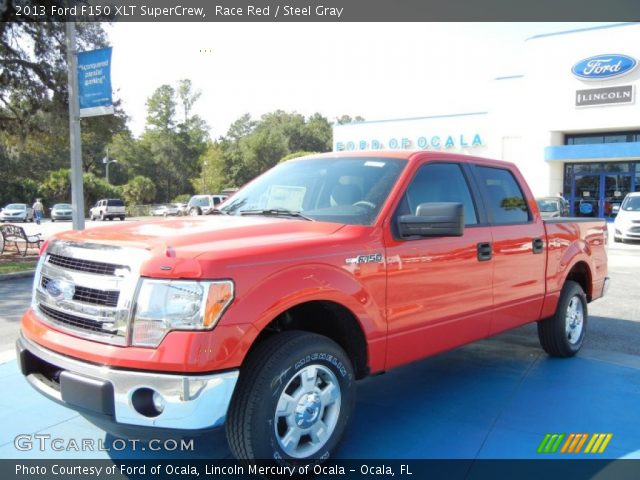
<point x="506" y="203"/>
<point x="439" y="182"/>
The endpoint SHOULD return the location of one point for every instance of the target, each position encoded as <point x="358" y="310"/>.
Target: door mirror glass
<point x="436" y="219"/>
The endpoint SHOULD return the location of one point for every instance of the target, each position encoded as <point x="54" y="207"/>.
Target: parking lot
<point x="493" y="399"/>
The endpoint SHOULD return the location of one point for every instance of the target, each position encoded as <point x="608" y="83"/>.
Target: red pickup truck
<point x="318" y="273"/>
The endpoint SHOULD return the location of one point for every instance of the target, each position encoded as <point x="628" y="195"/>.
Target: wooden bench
<point x="14" y="236"/>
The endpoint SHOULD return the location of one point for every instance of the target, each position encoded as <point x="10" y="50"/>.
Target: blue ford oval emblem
<point x="60" y="289"/>
<point x="603" y="67"/>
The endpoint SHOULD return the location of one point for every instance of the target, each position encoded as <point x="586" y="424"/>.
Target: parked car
<point x="552" y="207"/>
<point x="204" y="204"/>
<point x="61" y="211"/>
<point x="108" y="208"/>
<point x="322" y="271"/>
<point x="183" y="208"/>
<point x="17" y="212"/>
<point x="165" y="210"/>
<point x="627" y="223"/>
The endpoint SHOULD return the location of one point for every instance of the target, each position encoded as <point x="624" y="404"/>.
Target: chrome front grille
<point x="75" y="321"/>
<point x="108" y="298"/>
<point x="77" y="292"/>
<point x="81" y="265"/>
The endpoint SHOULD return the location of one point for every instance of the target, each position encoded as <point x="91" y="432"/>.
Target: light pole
<point x="107" y="161"/>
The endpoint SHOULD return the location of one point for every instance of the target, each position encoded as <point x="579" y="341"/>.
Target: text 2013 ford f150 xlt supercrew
<point x="320" y="272"/>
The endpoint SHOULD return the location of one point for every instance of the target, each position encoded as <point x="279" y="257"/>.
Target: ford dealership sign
<point x="604" y="67"/>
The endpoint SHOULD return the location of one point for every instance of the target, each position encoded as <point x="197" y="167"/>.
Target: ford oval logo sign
<point x="60" y="289"/>
<point x="603" y="67"/>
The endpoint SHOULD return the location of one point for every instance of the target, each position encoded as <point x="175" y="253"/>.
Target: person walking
<point x="38" y="210"/>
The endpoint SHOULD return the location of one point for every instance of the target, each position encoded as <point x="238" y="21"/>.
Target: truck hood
<point x="193" y="236"/>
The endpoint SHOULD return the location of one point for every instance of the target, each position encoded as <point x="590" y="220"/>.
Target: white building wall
<point x="524" y="113"/>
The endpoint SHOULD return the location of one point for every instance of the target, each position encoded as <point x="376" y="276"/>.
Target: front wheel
<point x="563" y="334"/>
<point x="293" y="401"/>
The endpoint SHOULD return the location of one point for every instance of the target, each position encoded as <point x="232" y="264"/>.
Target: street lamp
<point x="107" y="161"/>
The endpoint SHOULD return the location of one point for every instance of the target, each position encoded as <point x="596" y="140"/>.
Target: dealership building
<point x="570" y="121"/>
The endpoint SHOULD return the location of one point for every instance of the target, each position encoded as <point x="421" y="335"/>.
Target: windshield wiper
<point x="215" y="211"/>
<point x="276" y="212"/>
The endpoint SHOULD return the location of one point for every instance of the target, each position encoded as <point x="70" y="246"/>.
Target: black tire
<point x="53" y="220"/>
<point x="122" y="219"/>
<point x="557" y="335"/>
<point x="278" y="364"/>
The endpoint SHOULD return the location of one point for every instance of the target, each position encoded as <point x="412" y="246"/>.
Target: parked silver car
<point x="165" y="210"/>
<point x="17" y="212"/>
<point x="552" y="207"/>
<point x="61" y="211"/>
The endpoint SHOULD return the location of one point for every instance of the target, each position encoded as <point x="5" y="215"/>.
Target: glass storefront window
<point x="587" y="167"/>
<point x="585" y="140"/>
<point x="616" y="167"/>
<point x="609" y="137"/>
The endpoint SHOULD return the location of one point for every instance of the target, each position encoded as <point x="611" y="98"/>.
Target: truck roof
<point x="412" y="155"/>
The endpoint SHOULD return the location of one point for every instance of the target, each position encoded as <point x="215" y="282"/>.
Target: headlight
<point x="165" y="305"/>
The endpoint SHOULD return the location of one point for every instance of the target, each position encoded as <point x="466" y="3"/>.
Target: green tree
<point x="161" y="109"/>
<point x="139" y="190"/>
<point x="345" y="119"/>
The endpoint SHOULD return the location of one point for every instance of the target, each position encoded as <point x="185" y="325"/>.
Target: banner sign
<point x="94" y="82"/>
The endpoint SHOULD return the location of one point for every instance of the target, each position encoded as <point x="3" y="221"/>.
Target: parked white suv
<point x="107" y="208"/>
<point x="203" y="204"/>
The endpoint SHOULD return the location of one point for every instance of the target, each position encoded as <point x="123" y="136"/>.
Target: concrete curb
<point x="14" y="275"/>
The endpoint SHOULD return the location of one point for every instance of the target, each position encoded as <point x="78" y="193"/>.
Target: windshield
<point x="548" y="205"/>
<point x="16" y="206"/>
<point x="631" y="204"/>
<point x="202" y="201"/>
<point x="341" y="190"/>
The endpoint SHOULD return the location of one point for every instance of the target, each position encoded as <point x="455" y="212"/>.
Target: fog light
<point x="158" y="402"/>
<point x="148" y="402"/>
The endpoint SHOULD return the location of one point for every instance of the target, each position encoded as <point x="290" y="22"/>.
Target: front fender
<point x="362" y="294"/>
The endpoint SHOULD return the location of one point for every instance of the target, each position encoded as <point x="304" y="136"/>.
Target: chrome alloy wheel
<point x="574" y="320"/>
<point x="307" y="411"/>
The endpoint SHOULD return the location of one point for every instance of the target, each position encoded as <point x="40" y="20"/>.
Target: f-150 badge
<point x="372" y="258"/>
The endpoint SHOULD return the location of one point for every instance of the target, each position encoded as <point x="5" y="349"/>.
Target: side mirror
<point x="442" y="219"/>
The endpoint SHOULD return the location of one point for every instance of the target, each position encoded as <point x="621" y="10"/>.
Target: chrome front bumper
<point x="191" y="402"/>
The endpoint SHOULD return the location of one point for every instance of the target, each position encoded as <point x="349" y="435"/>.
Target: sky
<point x="375" y="70"/>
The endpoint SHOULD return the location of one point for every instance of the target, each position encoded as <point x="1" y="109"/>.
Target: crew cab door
<point x="438" y="288"/>
<point x="518" y="245"/>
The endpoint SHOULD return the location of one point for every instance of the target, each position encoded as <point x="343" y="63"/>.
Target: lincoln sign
<point x="604" y="96"/>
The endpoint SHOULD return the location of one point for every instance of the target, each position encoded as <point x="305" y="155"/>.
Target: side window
<point x="506" y="203"/>
<point x="439" y="182"/>
<point x="216" y="200"/>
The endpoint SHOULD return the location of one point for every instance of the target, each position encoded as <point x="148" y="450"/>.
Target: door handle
<point x="538" y="245"/>
<point x="485" y="251"/>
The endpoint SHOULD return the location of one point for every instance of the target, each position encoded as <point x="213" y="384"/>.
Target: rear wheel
<point x="293" y="400"/>
<point x="563" y="334"/>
